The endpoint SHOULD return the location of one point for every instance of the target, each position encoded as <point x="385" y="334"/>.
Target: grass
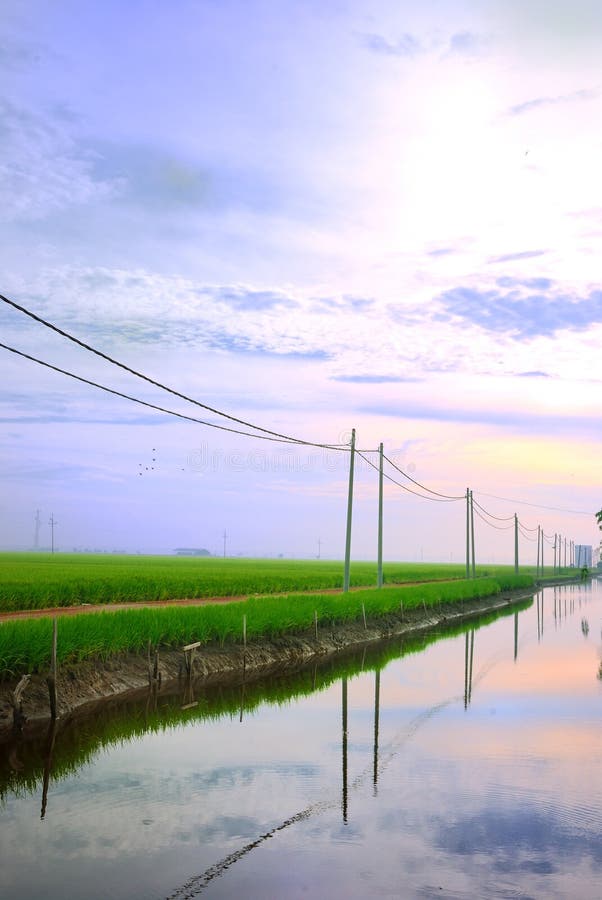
<point x="25" y="644"/>
<point x="79" y="741"/>
<point x="42" y="580"/>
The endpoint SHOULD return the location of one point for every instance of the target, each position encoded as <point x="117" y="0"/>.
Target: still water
<point x="464" y="764"/>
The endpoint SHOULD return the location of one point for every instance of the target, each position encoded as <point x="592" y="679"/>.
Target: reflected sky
<point x="489" y="789"/>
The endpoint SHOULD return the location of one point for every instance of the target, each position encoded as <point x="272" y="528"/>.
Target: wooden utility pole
<point x="346" y="577"/>
<point x="379" y="577"/>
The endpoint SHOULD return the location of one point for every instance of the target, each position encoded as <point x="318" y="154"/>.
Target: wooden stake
<point x="51" y="678"/>
<point x="364" y="615"/>
<point x="316" y="622"/>
<point x="17" y="703"/>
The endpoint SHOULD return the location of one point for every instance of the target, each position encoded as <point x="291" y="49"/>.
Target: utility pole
<point x="52" y="522"/>
<point x="346" y="577"/>
<point x="319" y="548"/>
<point x="36" y="537"/>
<point x="379" y="577"/>
<point x="225" y="539"/>
<point x="467" y="532"/>
<point x="515" y="544"/>
<point x="472" y="534"/>
<point x="538" y="540"/>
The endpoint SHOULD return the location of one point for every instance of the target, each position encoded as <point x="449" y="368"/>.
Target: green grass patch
<point x="25" y="644"/>
<point x="43" y="580"/>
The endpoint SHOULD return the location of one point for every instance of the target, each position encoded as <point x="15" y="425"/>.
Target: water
<point x="468" y="767"/>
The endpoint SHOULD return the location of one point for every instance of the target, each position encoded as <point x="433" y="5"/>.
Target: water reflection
<point x="461" y="767"/>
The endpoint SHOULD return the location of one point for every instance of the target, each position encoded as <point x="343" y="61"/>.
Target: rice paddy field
<point x="25" y="644"/>
<point x="273" y="598"/>
<point x="44" y="580"/>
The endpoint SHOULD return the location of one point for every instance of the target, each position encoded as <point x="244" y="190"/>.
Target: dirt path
<point x="185" y="601"/>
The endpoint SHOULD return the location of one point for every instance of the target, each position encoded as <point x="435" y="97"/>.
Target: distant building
<point x="195" y="551"/>
<point x="583" y="556"/>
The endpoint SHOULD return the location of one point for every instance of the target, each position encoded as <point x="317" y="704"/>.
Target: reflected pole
<point x="376" y="724"/>
<point x="515" y="636"/>
<point x="344" y="727"/>
<point x="465" y="670"/>
<point x="470" y="665"/>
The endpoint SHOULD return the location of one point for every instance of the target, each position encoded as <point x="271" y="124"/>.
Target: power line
<point x="163" y="387"/>
<point x="418" y="484"/>
<point x="522" y="525"/>
<point x="491" y="516"/>
<point x="403" y="486"/>
<point x="491" y="525"/>
<point x="576" y="512"/>
<point x="162" y="409"/>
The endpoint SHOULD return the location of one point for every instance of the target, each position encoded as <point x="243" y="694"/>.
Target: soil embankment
<point x="83" y="686"/>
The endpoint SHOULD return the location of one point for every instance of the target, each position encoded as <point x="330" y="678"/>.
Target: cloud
<point x="42" y="170"/>
<point x="513" y="418"/>
<point x="405" y="46"/>
<point x="510" y="257"/>
<point x="243" y="298"/>
<point x="506" y="835"/>
<point x="538" y="284"/>
<point x="373" y="379"/>
<point x="521" y="314"/>
<point x="534" y="374"/>
<point x="441" y="251"/>
<point x="465" y="43"/>
<point x="585" y="94"/>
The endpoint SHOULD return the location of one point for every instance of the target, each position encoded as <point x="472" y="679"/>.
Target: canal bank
<point x="83" y="687"/>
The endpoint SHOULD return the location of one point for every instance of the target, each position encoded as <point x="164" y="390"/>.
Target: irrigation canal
<point x="464" y="764"/>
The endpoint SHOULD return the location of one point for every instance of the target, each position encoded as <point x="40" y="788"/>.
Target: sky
<point x="315" y="217"/>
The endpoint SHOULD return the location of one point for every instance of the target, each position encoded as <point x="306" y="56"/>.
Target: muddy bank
<point x="82" y="687"/>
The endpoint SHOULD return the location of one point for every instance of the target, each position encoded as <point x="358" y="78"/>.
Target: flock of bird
<point x="142" y="468"/>
<point x="150" y="468"/>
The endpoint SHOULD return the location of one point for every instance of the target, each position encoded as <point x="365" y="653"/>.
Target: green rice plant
<point x="25" y="643"/>
<point x="44" y="580"/>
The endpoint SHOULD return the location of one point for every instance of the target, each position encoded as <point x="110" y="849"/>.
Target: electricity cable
<point x="577" y="512"/>
<point x="162" y="409"/>
<point x="422" y="486"/>
<point x="164" y="387"/>
<point x="403" y="486"/>
<point x="491" y="516"/>
<point x="491" y="525"/>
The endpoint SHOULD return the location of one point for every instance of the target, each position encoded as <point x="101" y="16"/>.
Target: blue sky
<point x="316" y="216"/>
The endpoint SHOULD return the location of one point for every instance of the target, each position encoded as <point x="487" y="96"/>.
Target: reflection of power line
<point x="198" y="883"/>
